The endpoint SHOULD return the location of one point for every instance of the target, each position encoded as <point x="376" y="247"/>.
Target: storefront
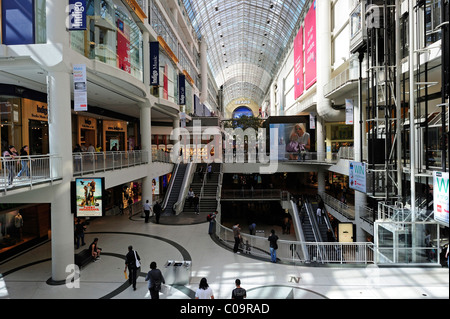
<point x="87" y="131"/>
<point x="22" y="226"/>
<point x="115" y="135"/>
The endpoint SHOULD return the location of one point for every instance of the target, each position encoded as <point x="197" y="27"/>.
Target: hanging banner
<point x="79" y="87"/>
<point x="357" y="176"/>
<point x="298" y="64"/>
<point x="441" y="197"/>
<point x="123" y="46"/>
<point x="154" y="63"/>
<point x="310" y="47"/>
<point x="312" y="121"/>
<point x="77" y="15"/>
<point x="181" y="89"/>
<point x="348" y="112"/>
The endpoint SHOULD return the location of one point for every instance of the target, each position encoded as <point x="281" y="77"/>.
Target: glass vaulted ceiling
<point x="246" y="40"/>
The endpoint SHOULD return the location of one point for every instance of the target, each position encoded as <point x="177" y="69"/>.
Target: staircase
<point x="208" y="201"/>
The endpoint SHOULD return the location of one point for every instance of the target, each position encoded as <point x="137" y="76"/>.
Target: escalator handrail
<point x="169" y="188"/>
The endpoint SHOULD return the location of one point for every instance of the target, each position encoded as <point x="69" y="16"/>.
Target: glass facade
<point x="111" y="37"/>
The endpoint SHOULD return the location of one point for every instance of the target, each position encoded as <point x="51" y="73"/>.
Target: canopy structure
<point x="246" y="40"/>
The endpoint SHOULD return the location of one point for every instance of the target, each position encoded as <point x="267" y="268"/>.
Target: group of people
<point x="204" y="291"/>
<point x="157" y="209"/>
<point x="238" y="240"/>
<point x="10" y="165"/>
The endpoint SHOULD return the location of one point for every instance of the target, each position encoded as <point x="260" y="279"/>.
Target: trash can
<point x="177" y="272"/>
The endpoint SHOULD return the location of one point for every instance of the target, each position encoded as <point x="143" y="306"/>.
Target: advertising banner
<point x="79" y="87"/>
<point x="154" y="63"/>
<point x="298" y="64"/>
<point x="440" y="197"/>
<point x="123" y="46"/>
<point x="357" y="176"/>
<point x="348" y="112"/>
<point x="310" y="47"/>
<point x="181" y="89"/>
<point x="77" y="15"/>
<point x="89" y="197"/>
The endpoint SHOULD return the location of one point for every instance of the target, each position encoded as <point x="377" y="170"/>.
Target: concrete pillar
<point x="59" y="120"/>
<point x="146" y="138"/>
<point x="204" y="71"/>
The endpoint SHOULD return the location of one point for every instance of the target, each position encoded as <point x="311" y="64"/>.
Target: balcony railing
<point x="26" y="171"/>
<point x="96" y="162"/>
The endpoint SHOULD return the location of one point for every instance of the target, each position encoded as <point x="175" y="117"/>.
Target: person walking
<point x="273" y="246"/>
<point x="24" y="161"/>
<point x="147" y="209"/>
<point x="133" y="263"/>
<point x="9" y="155"/>
<point x="79" y="233"/>
<point x="204" y="291"/>
<point x="237" y="238"/>
<point x="190" y="197"/>
<point x="196" y="204"/>
<point x="238" y="292"/>
<point x="157" y="211"/>
<point x="155" y="280"/>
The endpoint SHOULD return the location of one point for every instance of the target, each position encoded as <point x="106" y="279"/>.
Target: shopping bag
<point x="126" y="275"/>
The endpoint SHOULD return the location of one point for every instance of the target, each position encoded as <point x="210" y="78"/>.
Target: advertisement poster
<point x="310" y="47"/>
<point x="79" y="87"/>
<point x="348" y="112"/>
<point x="123" y="47"/>
<point x="440" y="197"/>
<point x="357" y="176"/>
<point x="89" y="201"/>
<point x="155" y="186"/>
<point x="298" y="64"/>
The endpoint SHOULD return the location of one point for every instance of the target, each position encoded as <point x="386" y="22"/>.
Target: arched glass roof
<point x="246" y="40"/>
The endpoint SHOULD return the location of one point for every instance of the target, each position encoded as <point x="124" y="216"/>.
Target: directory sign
<point x="357" y="176"/>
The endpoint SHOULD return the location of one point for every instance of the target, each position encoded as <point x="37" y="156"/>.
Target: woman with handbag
<point x="133" y="263"/>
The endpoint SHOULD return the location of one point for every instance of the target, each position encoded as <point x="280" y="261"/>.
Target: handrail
<point x="169" y="188"/>
<point x="299" y="229"/>
<point x="22" y="171"/>
<point x="187" y="180"/>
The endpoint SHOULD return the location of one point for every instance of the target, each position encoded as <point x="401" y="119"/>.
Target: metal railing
<point x="291" y="251"/>
<point x="95" y="162"/>
<point x="24" y="171"/>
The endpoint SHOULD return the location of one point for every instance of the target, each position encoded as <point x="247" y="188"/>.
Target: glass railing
<point x="96" y="162"/>
<point x="25" y="171"/>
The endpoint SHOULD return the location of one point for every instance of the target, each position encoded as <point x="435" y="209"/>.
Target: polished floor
<point x="25" y="276"/>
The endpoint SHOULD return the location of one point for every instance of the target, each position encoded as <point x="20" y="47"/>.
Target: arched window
<point x="241" y="111"/>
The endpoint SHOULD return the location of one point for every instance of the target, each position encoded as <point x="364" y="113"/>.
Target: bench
<point x="83" y="258"/>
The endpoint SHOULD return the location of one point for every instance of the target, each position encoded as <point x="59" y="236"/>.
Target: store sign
<point x="357" y="176"/>
<point x="79" y="87"/>
<point x="154" y="63"/>
<point x="89" y="197"/>
<point x="77" y="15"/>
<point x="441" y="197"/>
<point x="181" y="89"/>
<point x="310" y="47"/>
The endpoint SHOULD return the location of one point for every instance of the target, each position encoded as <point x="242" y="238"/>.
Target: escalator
<point x="174" y="189"/>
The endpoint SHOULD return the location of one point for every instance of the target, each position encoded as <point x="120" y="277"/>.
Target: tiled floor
<point x="25" y="276"/>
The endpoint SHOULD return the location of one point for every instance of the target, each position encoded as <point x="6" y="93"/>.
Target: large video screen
<point x="284" y="135"/>
<point x="89" y="197"/>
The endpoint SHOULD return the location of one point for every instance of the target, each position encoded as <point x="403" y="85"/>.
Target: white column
<point x="320" y="139"/>
<point x="146" y="139"/>
<point x="60" y="137"/>
<point x="204" y="71"/>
